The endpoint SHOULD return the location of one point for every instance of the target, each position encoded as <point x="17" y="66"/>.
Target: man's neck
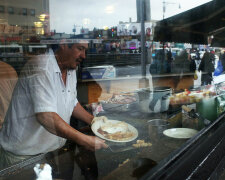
<point x="59" y="60"/>
<point x="61" y="66"/>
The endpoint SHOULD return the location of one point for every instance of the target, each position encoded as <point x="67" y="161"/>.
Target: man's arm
<point x="53" y="123"/>
<point x="80" y="113"/>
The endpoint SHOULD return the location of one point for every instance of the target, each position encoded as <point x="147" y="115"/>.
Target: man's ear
<point x="63" y="46"/>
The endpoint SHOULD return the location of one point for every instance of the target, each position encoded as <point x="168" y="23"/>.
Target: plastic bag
<point x="219" y="70"/>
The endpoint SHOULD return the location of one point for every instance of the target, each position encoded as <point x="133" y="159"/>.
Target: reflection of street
<point x="135" y="70"/>
<point x="130" y="70"/>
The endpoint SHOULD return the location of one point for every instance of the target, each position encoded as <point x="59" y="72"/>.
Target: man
<point x="207" y="67"/>
<point x="8" y="79"/>
<point x="43" y="101"/>
<point x="169" y="61"/>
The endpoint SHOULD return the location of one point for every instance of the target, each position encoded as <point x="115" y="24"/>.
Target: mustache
<point x="79" y="60"/>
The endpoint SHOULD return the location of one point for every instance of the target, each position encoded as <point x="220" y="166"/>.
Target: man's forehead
<point x="83" y="45"/>
<point x="75" y="42"/>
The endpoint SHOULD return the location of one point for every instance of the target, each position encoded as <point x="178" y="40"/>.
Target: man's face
<point x="74" y="55"/>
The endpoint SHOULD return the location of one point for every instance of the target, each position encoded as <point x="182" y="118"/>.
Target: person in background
<point x="222" y="59"/>
<point x="193" y="66"/>
<point x="198" y="55"/>
<point x="182" y="62"/>
<point x="181" y="65"/>
<point x="207" y="67"/>
<point x="197" y="59"/>
<point x="42" y="104"/>
<point x="169" y="61"/>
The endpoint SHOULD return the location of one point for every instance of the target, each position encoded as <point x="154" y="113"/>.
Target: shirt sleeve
<point x="74" y="84"/>
<point x="75" y="103"/>
<point x="42" y="92"/>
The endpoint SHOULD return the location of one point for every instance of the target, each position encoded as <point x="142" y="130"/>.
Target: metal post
<point x="164" y="8"/>
<point x="143" y="48"/>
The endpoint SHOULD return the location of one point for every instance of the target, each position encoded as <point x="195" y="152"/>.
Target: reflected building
<point x="23" y="19"/>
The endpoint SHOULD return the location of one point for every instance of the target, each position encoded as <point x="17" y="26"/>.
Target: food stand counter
<point x="125" y="163"/>
<point x="153" y="155"/>
<point x="99" y="89"/>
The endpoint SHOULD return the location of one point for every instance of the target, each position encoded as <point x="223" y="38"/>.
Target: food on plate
<point x="121" y="99"/>
<point x="124" y="162"/>
<point x="103" y="119"/>
<point x="187" y="96"/>
<point x="115" y="127"/>
<point x="141" y="143"/>
<point x="115" y="131"/>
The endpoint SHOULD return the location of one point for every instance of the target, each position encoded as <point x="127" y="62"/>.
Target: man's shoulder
<point x="39" y="63"/>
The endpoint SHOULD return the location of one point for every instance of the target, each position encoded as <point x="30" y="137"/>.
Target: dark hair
<point x="54" y="47"/>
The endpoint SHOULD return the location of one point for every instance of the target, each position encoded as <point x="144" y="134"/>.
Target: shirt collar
<point x="55" y="64"/>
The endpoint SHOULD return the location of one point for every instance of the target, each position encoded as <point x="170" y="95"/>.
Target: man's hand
<point x="93" y="143"/>
<point x="100" y="118"/>
<point x="53" y="123"/>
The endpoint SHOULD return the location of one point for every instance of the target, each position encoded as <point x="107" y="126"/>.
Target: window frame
<point x="2" y="9"/>
<point x="32" y="12"/>
<point x="10" y="10"/>
<point x="24" y="11"/>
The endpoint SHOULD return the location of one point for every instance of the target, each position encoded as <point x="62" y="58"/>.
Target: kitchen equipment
<point x="175" y="119"/>
<point x="113" y="107"/>
<point x="99" y="72"/>
<point x="156" y="128"/>
<point x="201" y="121"/>
<point x="120" y="102"/>
<point x="154" y="101"/>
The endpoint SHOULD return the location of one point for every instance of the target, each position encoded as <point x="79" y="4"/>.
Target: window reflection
<point x="63" y="65"/>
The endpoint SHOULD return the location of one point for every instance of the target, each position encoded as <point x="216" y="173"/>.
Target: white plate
<point x="97" y="125"/>
<point x="180" y="133"/>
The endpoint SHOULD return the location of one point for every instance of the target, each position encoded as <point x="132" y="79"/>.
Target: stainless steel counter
<point x="107" y="164"/>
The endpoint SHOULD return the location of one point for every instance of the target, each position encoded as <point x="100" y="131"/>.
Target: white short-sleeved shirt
<point x="39" y="89"/>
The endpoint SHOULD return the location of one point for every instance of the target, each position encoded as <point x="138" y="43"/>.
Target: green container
<point x="221" y="104"/>
<point x="207" y="108"/>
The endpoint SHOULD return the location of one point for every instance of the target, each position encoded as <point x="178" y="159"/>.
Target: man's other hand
<point x="94" y="143"/>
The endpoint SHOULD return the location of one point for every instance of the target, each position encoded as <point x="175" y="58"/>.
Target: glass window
<point x="107" y="89"/>
<point x="10" y="10"/>
<point x="24" y="11"/>
<point x="32" y="12"/>
<point x="2" y="9"/>
<point x="45" y="4"/>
